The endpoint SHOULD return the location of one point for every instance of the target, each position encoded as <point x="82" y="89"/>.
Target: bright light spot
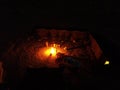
<point x="106" y="63"/>
<point x="51" y="51"/>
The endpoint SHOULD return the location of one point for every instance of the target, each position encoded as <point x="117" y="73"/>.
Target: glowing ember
<point x="51" y="51"/>
<point x="48" y="54"/>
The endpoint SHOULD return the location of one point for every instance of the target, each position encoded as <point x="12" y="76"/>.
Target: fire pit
<point x="40" y="48"/>
<point x="52" y="49"/>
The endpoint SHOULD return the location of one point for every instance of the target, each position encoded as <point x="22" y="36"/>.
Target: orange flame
<point x="51" y="51"/>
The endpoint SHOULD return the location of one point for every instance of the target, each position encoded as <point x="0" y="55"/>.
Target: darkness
<point x="101" y="19"/>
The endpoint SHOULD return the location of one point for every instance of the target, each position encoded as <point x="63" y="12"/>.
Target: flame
<point x="51" y="51"/>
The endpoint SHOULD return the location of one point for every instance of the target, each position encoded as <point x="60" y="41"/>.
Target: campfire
<point x="41" y="48"/>
<point x="52" y="49"/>
<point x="49" y="52"/>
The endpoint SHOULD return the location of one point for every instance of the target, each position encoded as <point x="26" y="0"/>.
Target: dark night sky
<point x="100" y="18"/>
